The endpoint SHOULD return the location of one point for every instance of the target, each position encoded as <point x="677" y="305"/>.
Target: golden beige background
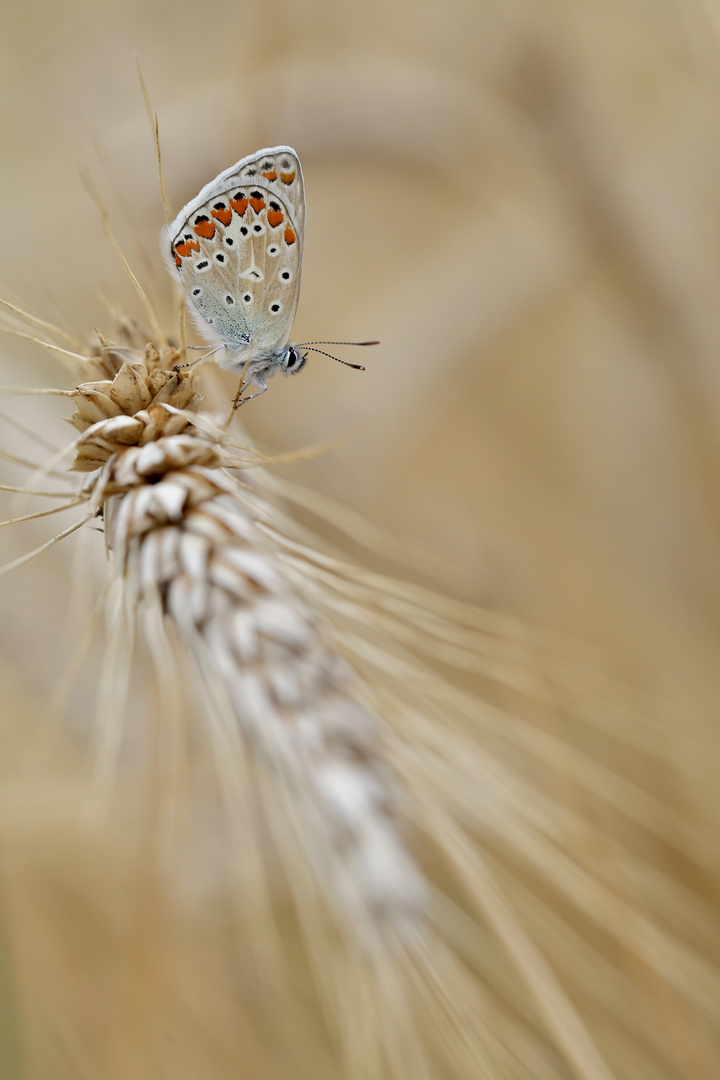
<point x="522" y="202"/>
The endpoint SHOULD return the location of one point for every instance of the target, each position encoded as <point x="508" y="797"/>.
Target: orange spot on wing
<point x="289" y="236"/>
<point x="206" y="229"/>
<point x="178" y="260"/>
<point x="224" y="216"/>
<point x="184" y="249"/>
<point x="257" y="205"/>
<point x="275" y="217"/>
<point x="271" y="175"/>
<point x="239" y="206"/>
<point x="287" y="177"/>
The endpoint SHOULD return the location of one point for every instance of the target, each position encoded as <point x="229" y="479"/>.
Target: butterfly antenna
<point x="358" y="367"/>
<point x="302" y="344"/>
<point x="308" y="345"/>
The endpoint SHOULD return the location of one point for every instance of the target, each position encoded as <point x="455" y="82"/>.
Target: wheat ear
<point x="184" y="534"/>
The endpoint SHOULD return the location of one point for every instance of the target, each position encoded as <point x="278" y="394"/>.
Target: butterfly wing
<point x="236" y="251"/>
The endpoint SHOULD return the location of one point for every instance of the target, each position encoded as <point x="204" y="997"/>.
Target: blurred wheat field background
<point x="521" y="203"/>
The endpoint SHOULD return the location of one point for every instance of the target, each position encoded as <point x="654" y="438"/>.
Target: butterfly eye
<point x="293" y="361"/>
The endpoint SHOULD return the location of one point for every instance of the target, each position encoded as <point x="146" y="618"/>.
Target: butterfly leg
<point x="241" y="400"/>
<point x="192" y="363"/>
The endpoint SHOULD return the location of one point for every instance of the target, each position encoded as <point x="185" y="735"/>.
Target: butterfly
<point x="236" y="252"/>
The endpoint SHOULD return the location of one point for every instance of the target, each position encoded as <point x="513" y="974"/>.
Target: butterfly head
<point x="292" y="360"/>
